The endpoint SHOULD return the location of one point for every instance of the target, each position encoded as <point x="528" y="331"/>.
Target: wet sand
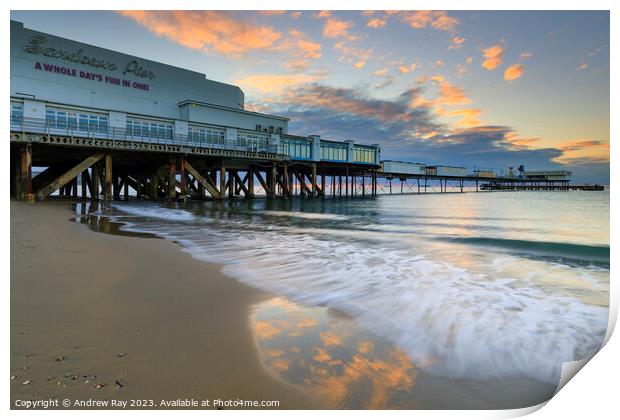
<point x="88" y="310"/>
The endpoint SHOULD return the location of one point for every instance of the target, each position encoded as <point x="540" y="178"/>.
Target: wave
<point x="585" y="253"/>
<point x="450" y="320"/>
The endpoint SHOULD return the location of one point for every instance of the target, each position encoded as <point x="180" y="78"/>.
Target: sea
<point x="474" y="286"/>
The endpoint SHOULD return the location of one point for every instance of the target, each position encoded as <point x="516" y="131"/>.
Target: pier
<point x="160" y="132"/>
<point x="116" y="165"/>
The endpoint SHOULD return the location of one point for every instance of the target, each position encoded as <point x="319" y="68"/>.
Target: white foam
<point x="469" y="322"/>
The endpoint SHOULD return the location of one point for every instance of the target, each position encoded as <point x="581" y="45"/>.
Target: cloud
<point x="407" y="69"/>
<point x="525" y="55"/>
<point x="274" y="83"/>
<point x="210" y="31"/>
<point x="456" y="43"/>
<point x="336" y="28"/>
<point x="309" y="49"/>
<point x="583" y="151"/>
<point x="376" y="22"/>
<point x="410" y="128"/>
<point x="513" y="72"/>
<point x="493" y="57"/>
<point x="380" y="73"/>
<point x="295" y="15"/>
<point x="468" y="116"/>
<point x="355" y="56"/>
<point x="435" y="19"/>
<point x="271" y="12"/>
<point x="583" y="66"/>
<point x="451" y="94"/>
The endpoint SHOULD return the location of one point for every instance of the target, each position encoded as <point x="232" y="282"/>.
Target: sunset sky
<point x="484" y="89"/>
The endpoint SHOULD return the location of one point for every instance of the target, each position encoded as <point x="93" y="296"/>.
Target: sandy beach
<point x="122" y="316"/>
<point x="104" y="317"/>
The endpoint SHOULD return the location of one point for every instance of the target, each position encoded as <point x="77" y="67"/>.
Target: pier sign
<point x="98" y="77"/>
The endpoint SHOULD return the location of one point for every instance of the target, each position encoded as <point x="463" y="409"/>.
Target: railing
<point x="96" y="132"/>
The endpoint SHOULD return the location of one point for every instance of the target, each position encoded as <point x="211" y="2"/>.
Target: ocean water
<point x="477" y="286"/>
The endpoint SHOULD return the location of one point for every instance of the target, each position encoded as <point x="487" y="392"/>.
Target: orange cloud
<point x="295" y="15"/>
<point x="469" y="116"/>
<point x="309" y="49"/>
<point x="357" y="57"/>
<point x="513" y="72"/>
<point x="407" y="69"/>
<point x="211" y="31"/>
<point x="456" y="43"/>
<point x="274" y="83"/>
<point x="452" y="94"/>
<point x="377" y="22"/>
<point x="582" y="66"/>
<point x="583" y="151"/>
<point x="380" y="73"/>
<point x="336" y="28"/>
<point x="494" y="57"/>
<point x="272" y="12"/>
<point x="429" y="18"/>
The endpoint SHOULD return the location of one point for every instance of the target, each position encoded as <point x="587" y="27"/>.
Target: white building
<point x="60" y="85"/>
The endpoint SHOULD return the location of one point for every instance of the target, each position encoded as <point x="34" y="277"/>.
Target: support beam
<point x="313" y="180"/>
<point x="250" y="183"/>
<point x="183" y="180"/>
<point x="302" y="184"/>
<point x="126" y="186"/>
<point x="222" y="180"/>
<point x="107" y="192"/>
<point x="241" y="183"/>
<point x="172" y="179"/>
<point x="262" y="182"/>
<point x="25" y="171"/>
<point x="272" y="180"/>
<point x="63" y="179"/>
<point x="205" y="182"/>
<point x="94" y="192"/>
<point x="287" y="185"/>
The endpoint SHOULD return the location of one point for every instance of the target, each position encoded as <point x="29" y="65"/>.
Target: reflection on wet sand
<point x="330" y="357"/>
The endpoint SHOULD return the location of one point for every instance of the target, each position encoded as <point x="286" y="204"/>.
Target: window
<point x="297" y="148"/>
<point x="61" y="119"/>
<point x="103" y="124"/>
<point x="50" y="118"/>
<point x="93" y="123"/>
<point x="206" y="135"/>
<point x="17" y="114"/>
<point x="83" y="122"/>
<point x="333" y="151"/>
<point x="72" y="121"/>
<point x="148" y="129"/>
<point x="364" y="154"/>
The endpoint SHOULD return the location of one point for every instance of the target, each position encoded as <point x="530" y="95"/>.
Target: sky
<point x="483" y="89"/>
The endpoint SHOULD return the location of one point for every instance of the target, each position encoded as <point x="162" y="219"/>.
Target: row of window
<point x="252" y="142"/>
<point x="17" y="114"/>
<point x="334" y="152"/>
<point x="206" y="135"/>
<point x="71" y="120"/>
<point x="363" y="155"/>
<point x="148" y="129"/>
<point x="297" y="149"/>
<point x="94" y="123"/>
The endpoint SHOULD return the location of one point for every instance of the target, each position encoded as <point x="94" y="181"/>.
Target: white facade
<point x="64" y="87"/>
<point x="47" y="70"/>
<point x="405" y="168"/>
